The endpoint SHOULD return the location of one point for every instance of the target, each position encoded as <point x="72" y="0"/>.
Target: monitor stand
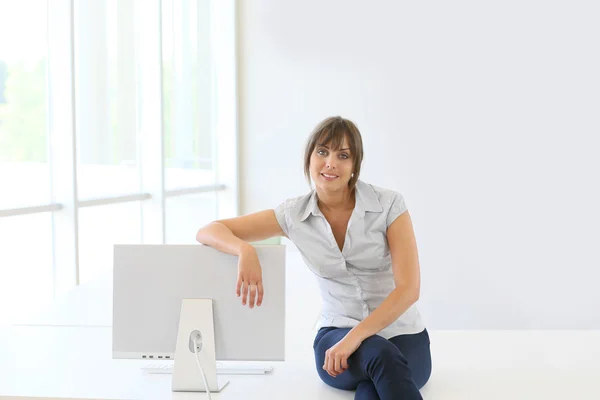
<point x="196" y="316"/>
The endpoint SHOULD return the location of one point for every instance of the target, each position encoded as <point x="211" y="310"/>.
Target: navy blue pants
<point x="380" y="368"/>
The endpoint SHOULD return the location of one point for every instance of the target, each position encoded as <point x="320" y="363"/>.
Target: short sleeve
<point x="397" y="208"/>
<point x="281" y="215"/>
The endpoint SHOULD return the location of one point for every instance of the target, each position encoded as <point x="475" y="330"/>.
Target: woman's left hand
<point x="336" y="358"/>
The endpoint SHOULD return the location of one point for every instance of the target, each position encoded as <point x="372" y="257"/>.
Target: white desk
<point x="69" y="362"/>
<point x="74" y="360"/>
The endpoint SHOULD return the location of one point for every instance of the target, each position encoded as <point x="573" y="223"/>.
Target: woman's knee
<point x="378" y="348"/>
<point x="379" y="355"/>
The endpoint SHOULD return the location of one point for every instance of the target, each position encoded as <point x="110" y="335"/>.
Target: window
<point x="188" y="87"/>
<point x="25" y="264"/>
<point x="185" y="214"/>
<point x="106" y="96"/>
<point x="24" y="164"/>
<point x="117" y="125"/>
<point x="100" y="228"/>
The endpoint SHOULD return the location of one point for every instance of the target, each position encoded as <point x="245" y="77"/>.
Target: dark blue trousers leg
<point x="380" y="368"/>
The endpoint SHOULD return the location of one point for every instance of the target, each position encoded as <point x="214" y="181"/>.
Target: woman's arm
<point x="231" y="236"/>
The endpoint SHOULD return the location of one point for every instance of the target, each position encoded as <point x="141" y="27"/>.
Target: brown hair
<point x="331" y="131"/>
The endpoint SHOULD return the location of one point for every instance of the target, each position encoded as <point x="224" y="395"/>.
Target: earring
<point x="352" y="176"/>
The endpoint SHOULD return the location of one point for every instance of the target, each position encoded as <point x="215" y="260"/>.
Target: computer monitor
<point x="150" y="282"/>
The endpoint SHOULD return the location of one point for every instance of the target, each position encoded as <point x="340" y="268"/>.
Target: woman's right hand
<point x="249" y="277"/>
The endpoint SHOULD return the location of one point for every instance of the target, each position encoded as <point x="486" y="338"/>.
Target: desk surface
<point x="75" y="362"/>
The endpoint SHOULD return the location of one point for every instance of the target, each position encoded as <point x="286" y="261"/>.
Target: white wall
<point x="484" y="115"/>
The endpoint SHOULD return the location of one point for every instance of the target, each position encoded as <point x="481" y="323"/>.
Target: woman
<point x="359" y="242"/>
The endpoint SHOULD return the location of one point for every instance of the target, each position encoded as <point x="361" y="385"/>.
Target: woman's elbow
<point x="199" y="235"/>
<point x="202" y="233"/>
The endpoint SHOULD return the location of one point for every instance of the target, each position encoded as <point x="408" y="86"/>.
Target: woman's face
<point x="331" y="169"/>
